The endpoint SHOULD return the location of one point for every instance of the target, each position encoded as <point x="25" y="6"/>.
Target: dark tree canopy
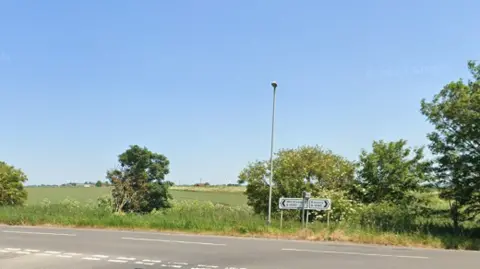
<point x="295" y="170"/>
<point x="391" y="172"/>
<point x="455" y="114"/>
<point x="139" y="182"/>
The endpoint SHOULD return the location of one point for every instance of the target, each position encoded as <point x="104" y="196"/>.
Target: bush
<point x="343" y="208"/>
<point x="388" y="217"/>
<point x="12" y="191"/>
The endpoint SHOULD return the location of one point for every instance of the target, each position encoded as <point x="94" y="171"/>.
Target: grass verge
<point x="209" y="218"/>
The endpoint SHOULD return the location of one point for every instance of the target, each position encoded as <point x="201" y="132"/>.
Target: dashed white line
<point x="207" y="266"/>
<point x="22" y="252"/>
<point x="181" y="263"/>
<point x="32" y="250"/>
<point x="14" y="249"/>
<point x="64" y="256"/>
<point x="38" y="233"/>
<point x="148" y="263"/>
<point x="172" y="241"/>
<point x="100" y="256"/>
<point x="353" y="253"/>
<point x="154" y="261"/>
<point x="126" y="258"/>
<point x="4" y="251"/>
<point x="117" y="261"/>
<point x="91" y="259"/>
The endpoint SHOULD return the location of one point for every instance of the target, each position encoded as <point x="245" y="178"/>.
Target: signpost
<point x="305" y="203"/>
<point x="319" y="204"/>
<point x="291" y="203"/>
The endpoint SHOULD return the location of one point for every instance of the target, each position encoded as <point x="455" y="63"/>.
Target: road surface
<point x="56" y="248"/>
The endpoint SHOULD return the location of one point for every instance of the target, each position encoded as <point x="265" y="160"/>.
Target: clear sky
<point x="80" y="81"/>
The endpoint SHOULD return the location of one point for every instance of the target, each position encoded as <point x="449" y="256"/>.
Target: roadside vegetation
<point x="391" y="195"/>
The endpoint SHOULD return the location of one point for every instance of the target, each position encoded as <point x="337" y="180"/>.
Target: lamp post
<point x="269" y="221"/>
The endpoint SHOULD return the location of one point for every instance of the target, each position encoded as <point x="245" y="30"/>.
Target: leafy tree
<point x="139" y="182"/>
<point x="12" y="191"/>
<point x="455" y="114"/>
<point x="306" y="168"/>
<point x="391" y="172"/>
<point x="98" y="184"/>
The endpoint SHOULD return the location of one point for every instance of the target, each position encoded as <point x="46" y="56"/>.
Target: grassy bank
<point x="207" y="217"/>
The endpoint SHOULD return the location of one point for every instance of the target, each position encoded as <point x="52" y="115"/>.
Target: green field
<point x="57" y="194"/>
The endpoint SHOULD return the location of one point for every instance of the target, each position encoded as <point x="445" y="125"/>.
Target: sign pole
<point x="281" y="219"/>
<point x="306" y="222"/>
<point x="303" y="213"/>
<point x="328" y="218"/>
<point x="305" y="205"/>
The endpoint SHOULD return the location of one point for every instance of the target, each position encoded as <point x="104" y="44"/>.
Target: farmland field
<point x="81" y="194"/>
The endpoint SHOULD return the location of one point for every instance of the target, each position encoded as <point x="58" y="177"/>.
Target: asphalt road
<point x="54" y="248"/>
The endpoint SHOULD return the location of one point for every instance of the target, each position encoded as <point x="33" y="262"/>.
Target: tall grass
<point x="207" y="217"/>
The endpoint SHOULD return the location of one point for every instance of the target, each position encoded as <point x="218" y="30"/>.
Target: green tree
<point x="12" y="191"/>
<point x="455" y="114"/>
<point x="98" y="184"/>
<point x="307" y="168"/>
<point x="391" y="172"/>
<point x="138" y="185"/>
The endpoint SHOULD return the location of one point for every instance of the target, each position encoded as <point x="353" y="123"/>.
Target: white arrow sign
<point x="290" y="203"/>
<point x="319" y="204"/>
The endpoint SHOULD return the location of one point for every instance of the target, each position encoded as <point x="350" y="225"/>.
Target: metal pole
<point x="328" y="218"/>
<point x="281" y="219"/>
<point x="306" y="222"/>
<point x="274" y="85"/>
<point x="303" y="213"/>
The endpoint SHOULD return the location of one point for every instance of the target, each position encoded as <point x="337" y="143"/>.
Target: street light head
<point x="274" y="84"/>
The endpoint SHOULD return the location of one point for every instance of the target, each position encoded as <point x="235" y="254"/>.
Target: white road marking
<point x="181" y="263"/>
<point x="91" y="259"/>
<point x="100" y="256"/>
<point x="4" y="251"/>
<point x="125" y="258"/>
<point x="22" y="252"/>
<point x="14" y="249"/>
<point x="64" y="256"/>
<point x="32" y="250"/>
<point x="207" y="266"/>
<point x="117" y="261"/>
<point x="148" y="263"/>
<point x="353" y="253"/>
<point x="138" y="262"/>
<point x="52" y="252"/>
<point x="39" y="233"/>
<point x="171" y="241"/>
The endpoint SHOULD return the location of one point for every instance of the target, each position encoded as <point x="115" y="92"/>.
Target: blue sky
<point x="80" y="81"/>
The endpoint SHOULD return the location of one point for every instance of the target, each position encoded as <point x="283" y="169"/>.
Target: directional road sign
<point x="310" y="204"/>
<point x="291" y="203"/>
<point x="319" y="204"/>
